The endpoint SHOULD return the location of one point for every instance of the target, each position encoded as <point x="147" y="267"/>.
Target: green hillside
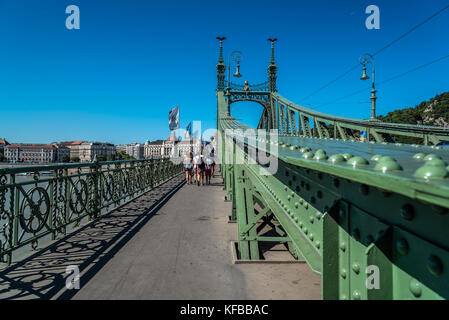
<point x="434" y="112"/>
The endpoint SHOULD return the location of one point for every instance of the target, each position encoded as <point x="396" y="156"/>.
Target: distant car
<point x="444" y="144"/>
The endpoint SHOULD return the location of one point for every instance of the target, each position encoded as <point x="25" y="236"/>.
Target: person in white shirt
<point x="188" y="167"/>
<point x="198" y="168"/>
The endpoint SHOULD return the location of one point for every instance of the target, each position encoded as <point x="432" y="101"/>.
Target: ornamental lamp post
<point x="364" y="60"/>
<point x="236" y="56"/>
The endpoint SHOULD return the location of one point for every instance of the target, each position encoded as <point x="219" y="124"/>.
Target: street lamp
<point x="364" y="60"/>
<point x="236" y="56"/>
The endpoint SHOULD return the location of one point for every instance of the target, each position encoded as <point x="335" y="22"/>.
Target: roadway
<point x="170" y="243"/>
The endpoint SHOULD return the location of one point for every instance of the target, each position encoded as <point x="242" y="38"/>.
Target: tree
<point x="122" y="155"/>
<point x="65" y="158"/>
<point x="75" y="159"/>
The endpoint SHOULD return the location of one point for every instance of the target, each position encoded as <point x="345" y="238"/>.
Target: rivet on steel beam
<point x="307" y="155"/>
<point x="356" y="295"/>
<point x="376" y="157"/>
<point x="311" y="236"/>
<point x="318" y="215"/>
<point x="317" y="244"/>
<point x="357" y="161"/>
<point x="402" y="246"/>
<point x="305" y="230"/>
<point x="432" y="169"/>
<point x="343" y="273"/>
<point x="387" y="164"/>
<point x="419" y="156"/>
<point x="311" y="219"/>
<point x="336" y="158"/>
<point x="415" y="287"/>
<point x="343" y="246"/>
<point x="296" y="204"/>
<point x="296" y="219"/>
<point x="432" y="157"/>
<point x="435" y="265"/>
<point x="300" y="224"/>
<point x="407" y="212"/>
<point x="347" y="156"/>
<point x="356" y="267"/>
<point x="320" y="155"/>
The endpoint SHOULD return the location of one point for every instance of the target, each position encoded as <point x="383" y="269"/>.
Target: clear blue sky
<point x="117" y="77"/>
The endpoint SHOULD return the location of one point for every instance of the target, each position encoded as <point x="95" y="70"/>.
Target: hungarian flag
<point x="173" y="118"/>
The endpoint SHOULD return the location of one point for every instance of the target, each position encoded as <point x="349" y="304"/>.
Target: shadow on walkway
<point x="42" y="275"/>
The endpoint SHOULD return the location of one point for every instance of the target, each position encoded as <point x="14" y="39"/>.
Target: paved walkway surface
<point x="177" y="249"/>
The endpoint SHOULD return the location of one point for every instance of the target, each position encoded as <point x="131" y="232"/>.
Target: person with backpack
<point x="198" y="167"/>
<point x="208" y="169"/>
<point x="188" y="167"/>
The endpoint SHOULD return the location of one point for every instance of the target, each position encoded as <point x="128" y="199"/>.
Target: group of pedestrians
<point x="199" y="167"/>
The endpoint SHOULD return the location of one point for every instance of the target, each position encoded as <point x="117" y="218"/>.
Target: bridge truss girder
<point x="337" y="226"/>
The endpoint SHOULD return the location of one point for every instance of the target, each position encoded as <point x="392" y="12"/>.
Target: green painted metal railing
<point x="38" y="204"/>
<point x="291" y="118"/>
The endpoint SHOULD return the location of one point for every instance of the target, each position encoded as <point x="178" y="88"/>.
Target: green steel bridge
<point x="351" y="209"/>
<point x="370" y="217"/>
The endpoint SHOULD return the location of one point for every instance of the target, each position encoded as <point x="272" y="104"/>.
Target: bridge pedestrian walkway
<point x="171" y="243"/>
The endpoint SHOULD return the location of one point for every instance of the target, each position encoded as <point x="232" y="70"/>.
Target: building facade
<point x="170" y="148"/>
<point x="31" y="153"/>
<point x="135" y="150"/>
<point x="88" y="151"/>
<point x="3" y="144"/>
<point x="74" y="148"/>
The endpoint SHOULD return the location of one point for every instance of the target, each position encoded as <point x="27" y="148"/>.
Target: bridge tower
<point x="220" y="67"/>
<point x="272" y="68"/>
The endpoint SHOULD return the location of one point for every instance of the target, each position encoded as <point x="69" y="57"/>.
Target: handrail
<point x="35" y="210"/>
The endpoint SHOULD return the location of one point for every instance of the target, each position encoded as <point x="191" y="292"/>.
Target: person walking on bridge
<point x="208" y="168"/>
<point x="198" y="168"/>
<point x="188" y="167"/>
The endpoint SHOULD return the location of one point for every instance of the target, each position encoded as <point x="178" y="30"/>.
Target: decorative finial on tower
<point x="220" y="67"/>
<point x="272" y="49"/>
<point x="220" y="57"/>
<point x="272" y="68"/>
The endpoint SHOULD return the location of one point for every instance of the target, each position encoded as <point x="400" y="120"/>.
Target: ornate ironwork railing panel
<point x="257" y="87"/>
<point x="38" y="204"/>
